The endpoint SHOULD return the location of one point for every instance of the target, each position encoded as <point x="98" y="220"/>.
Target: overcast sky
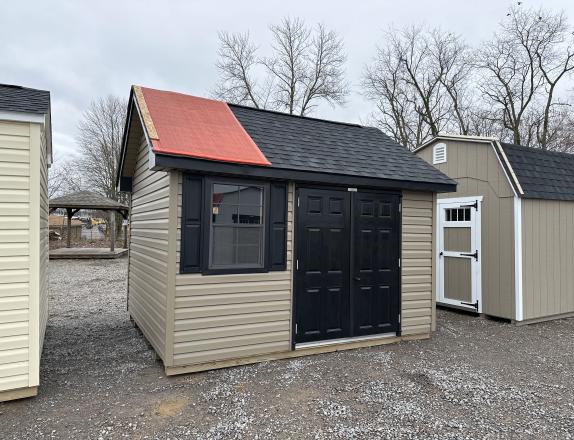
<point x="81" y="50"/>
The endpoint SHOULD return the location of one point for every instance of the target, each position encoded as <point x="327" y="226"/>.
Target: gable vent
<point x="439" y="153"/>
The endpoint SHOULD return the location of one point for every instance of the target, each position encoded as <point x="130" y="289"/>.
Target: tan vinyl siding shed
<point x="25" y="154"/>
<point x="525" y="224"/>
<point x="198" y="317"/>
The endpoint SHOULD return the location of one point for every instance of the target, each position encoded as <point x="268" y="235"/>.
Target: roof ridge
<point x="16" y="86"/>
<point x="296" y="116"/>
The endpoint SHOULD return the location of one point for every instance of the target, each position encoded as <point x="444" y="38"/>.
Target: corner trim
<point x="519" y="306"/>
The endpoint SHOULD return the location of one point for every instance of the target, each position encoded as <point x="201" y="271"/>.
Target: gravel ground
<point x="476" y="378"/>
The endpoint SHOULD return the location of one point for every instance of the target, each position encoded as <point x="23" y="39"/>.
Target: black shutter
<point x="192" y="202"/>
<point x="277" y="226"/>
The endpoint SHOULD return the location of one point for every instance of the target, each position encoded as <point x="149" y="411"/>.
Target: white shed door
<point x="459" y="253"/>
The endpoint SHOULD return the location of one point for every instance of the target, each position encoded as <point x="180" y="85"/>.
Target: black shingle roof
<point x="542" y="174"/>
<point x="309" y="144"/>
<point x="23" y="99"/>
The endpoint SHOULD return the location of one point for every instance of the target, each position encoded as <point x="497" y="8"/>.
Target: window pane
<point x="250" y="214"/>
<point x="250" y="195"/>
<point x="237" y="226"/>
<point x="225" y="194"/>
<point x="224" y="214"/>
<point x="222" y="246"/>
<point x="453" y="215"/>
<point x="249" y="255"/>
<point x="467" y="214"/>
<point x="447" y="215"/>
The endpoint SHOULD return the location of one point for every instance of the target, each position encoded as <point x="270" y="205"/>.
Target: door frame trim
<point x="477" y="238"/>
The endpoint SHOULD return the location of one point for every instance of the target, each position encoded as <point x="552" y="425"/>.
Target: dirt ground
<point x="476" y="378"/>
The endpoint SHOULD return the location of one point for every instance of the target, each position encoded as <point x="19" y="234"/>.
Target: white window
<point x="439" y="153"/>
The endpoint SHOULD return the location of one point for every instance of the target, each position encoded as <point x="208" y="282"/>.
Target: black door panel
<point x="375" y="292"/>
<point x="322" y="281"/>
<point x="347" y="282"/>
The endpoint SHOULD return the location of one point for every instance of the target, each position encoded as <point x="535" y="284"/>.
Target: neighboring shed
<point x="506" y="237"/>
<point x="259" y="235"/>
<point x="25" y="155"/>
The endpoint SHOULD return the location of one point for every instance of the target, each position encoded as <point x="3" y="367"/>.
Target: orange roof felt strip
<point x="200" y="128"/>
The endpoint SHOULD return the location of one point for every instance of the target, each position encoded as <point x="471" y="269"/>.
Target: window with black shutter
<point x="233" y="226"/>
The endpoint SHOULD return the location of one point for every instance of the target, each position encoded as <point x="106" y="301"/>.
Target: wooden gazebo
<point x="77" y="201"/>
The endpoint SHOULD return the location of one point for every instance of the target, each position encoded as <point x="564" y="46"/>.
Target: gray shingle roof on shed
<point x="309" y="144"/>
<point x="86" y="200"/>
<point x="542" y="174"/>
<point x="22" y="99"/>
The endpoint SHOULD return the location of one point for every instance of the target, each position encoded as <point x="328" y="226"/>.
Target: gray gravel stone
<point x="475" y="379"/>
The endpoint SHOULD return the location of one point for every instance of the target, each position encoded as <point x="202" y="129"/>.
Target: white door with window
<point x="459" y="253"/>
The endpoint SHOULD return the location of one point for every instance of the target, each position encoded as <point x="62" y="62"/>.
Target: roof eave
<point x="167" y="162"/>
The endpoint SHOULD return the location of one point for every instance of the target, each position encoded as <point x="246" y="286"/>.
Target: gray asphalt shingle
<point x="542" y="174"/>
<point x="22" y="99"/>
<point x="309" y="144"/>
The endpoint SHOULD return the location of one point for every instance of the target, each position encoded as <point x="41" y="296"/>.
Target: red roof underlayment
<point x="199" y="128"/>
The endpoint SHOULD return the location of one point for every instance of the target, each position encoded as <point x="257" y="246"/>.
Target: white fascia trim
<point x="22" y="117"/>
<point x="518" y="258"/>
<point x="503" y="154"/>
<point x="454" y="137"/>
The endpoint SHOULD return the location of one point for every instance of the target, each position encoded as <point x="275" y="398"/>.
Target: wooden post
<point x="112" y="230"/>
<point x="68" y="238"/>
<point x="124" y="217"/>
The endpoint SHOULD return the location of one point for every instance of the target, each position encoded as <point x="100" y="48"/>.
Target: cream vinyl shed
<point x="259" y="235"/>
<point x="25" y="154"/>
<point x="506" y="236"/>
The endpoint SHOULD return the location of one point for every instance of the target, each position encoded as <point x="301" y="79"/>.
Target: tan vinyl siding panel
<point x="547" y="257"/>
<point x="417" y="263"/>
<point x="44" y="246"/>
<point x="15" y="144"/>
<point x="219" y="317"/>
<point x="148" y="257"/>
<point x="478" y="172"/>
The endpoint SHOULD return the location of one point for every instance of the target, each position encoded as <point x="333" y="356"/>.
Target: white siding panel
<point x="14" y="254"/>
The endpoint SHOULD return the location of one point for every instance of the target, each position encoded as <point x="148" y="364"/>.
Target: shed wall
<point x="148" y="255"/>
<point x="223" y="317"/>
<point x="417" y="262"/>
<point x="14" y="255"/>
<point x="547" y="257"/>
<point x="220" y="317"/>
<point x="478" y="172"/>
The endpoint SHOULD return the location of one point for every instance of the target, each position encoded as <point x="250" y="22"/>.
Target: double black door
<point x="347" y="264"/>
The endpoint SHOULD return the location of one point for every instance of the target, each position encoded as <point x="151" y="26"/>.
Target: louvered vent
<point x="439" y="153"/>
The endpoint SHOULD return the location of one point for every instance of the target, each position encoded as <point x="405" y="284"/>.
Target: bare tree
<point x="99" y="141"/>
<point x="419" y="81"/>
<point x="523" y="64"/>
<point x="64" y="177"/>
<point x="306" y="66"/>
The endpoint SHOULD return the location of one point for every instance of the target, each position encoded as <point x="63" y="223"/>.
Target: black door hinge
<point x="475" y="255"/>
<point x="475" y="305"/>
<point x="473" y="205"/>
